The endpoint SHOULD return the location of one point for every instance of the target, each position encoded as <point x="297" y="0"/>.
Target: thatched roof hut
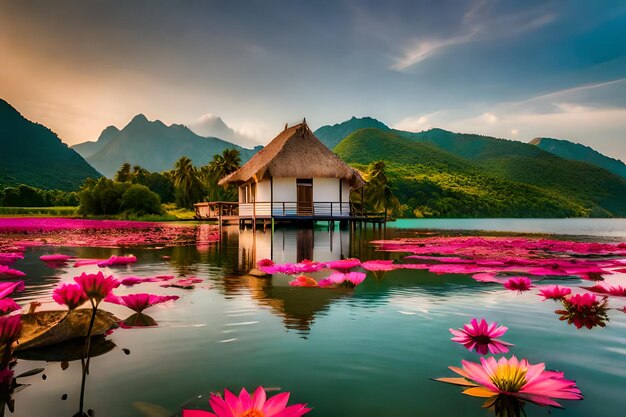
<point x="295" y="152"/>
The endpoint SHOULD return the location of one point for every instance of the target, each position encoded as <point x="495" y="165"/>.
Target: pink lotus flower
<point x="303" y="281"/>
<point x="325" y="283"/>
<point x="8" y="305"/>
<point x="7" y="258"/>
<point x="139" y="302"/>
<point x="5" y="270"/>
<point x="582" y="301"/>
<point x="96" y="286"/>
<point x="482" y="337"/>
<point x="70" y="295"/>
<point x="246" y="406"/>
<point x="343" y="265"/>
<point x="350" y="279"/>
<point x="554" y="292"/>
<point x="85" y="262"/>
<point x="518" y="284"/>
<point x="264" y="263"/>
<point x="515" y="378"/>
<point x="616" y="290"/>
<point x="118" y="260"/>
<point x="7" y="288"/>
<point x="584" y="310"/>
<point x="10" y="328"/>
<point x="130" y="281"/>
<point x="55" y="258"/>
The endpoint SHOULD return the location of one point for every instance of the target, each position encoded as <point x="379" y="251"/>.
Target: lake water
<point x="363" y="352"/>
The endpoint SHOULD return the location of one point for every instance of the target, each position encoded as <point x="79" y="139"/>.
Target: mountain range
<point x="34" y="155"/>
<point x="433" y="172"/>
<point x="444" y="173"/>
<point x="153" y="146"/>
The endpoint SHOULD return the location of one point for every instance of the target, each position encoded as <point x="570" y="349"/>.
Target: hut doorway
<point x="305" y="196"/>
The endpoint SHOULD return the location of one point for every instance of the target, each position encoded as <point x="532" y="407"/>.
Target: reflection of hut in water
<point x="292" y="245"/>
<point x="298" y="307"/>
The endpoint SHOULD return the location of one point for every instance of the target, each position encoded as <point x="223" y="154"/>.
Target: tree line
<point x="135" y="190"/>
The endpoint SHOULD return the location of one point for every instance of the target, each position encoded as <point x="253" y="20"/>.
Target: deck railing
<point x="265" y="209"/>
<point x="295" y="209"/>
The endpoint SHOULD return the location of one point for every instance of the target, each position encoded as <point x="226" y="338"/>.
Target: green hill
<point x="577" y="152"/>
<point x="154" y="146"/>
<point x="34" y="155"/>
<point x="331" y="135"/>
<point x="441" y="173"/>
<point x="597" y="189"/>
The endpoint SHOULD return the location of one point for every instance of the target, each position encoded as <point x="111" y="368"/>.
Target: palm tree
<point x="380" y="198"/>
<point x="123" y="174"/>
<point x="187" y="183"/>
<point x="222" y="164"/>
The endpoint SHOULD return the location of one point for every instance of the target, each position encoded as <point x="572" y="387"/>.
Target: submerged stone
<point x="46" y="328"/>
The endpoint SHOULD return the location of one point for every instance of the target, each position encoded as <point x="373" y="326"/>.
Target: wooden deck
<point x="265" y="213"/>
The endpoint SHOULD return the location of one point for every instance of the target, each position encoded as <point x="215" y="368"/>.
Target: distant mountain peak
<point x="579" y="152"/>
<point x="139" y="118"/>
<point x="331" y="135"/>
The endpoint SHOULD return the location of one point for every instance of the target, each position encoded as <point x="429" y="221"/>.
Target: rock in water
<point x="46" y="328"/>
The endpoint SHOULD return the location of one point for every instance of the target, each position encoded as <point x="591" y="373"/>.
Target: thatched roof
<point x="295" y="152"/>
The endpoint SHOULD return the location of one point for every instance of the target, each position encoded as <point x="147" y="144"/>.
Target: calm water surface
<point x="371" y="351"/>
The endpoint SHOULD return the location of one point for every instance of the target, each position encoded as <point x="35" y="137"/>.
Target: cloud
<point x="420" y="50"/>
<point x="416" y="123"/>
<point x="478" y="24"/>
<point x="490" y="118"/>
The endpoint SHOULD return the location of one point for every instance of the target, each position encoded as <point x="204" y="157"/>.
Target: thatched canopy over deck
<point x="295" y="152"/>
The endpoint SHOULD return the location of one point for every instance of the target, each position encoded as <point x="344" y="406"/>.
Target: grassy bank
<point x="60" y="211"/>
<point x="170" y="213"/>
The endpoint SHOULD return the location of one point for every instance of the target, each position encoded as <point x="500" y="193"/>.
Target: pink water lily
<point x="5" y="270"/>
<point x="10" y="328"/>
<point x="303" y="281"/>
<point x="246" y="406"/>
<point x="8" y="305"/>
<point x="482" y="337"/>
<point x="582" y="301"/>
<point x="604" y="288"/>
<point x="349" y="279"/>
<point x="325" y="283"/>
<point x="55" y="258"/>
<point x="554" y="292"/>
<point x="8" y="287"/>
<point x="378" y="265"/>
<point x="7" y="258"/>
<point x="139" y="302"/>
<point x="518" y="284"/>
<point x="130" y="281"/>
<point x="96" y="286"/>
<point x="516" y="378"/>
<point x="70" y="295"/>
<point x="118" y="260"/>
<point x="343" y="265"/>
<point x="584" y="310"/>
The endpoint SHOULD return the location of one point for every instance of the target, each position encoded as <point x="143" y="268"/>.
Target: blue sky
<point x="513" y="69"/>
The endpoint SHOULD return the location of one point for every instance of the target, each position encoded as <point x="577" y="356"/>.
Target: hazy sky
<point x="513" y="69"/>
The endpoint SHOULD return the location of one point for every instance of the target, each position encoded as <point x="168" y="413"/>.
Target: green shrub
<point x="139" y="200"/>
